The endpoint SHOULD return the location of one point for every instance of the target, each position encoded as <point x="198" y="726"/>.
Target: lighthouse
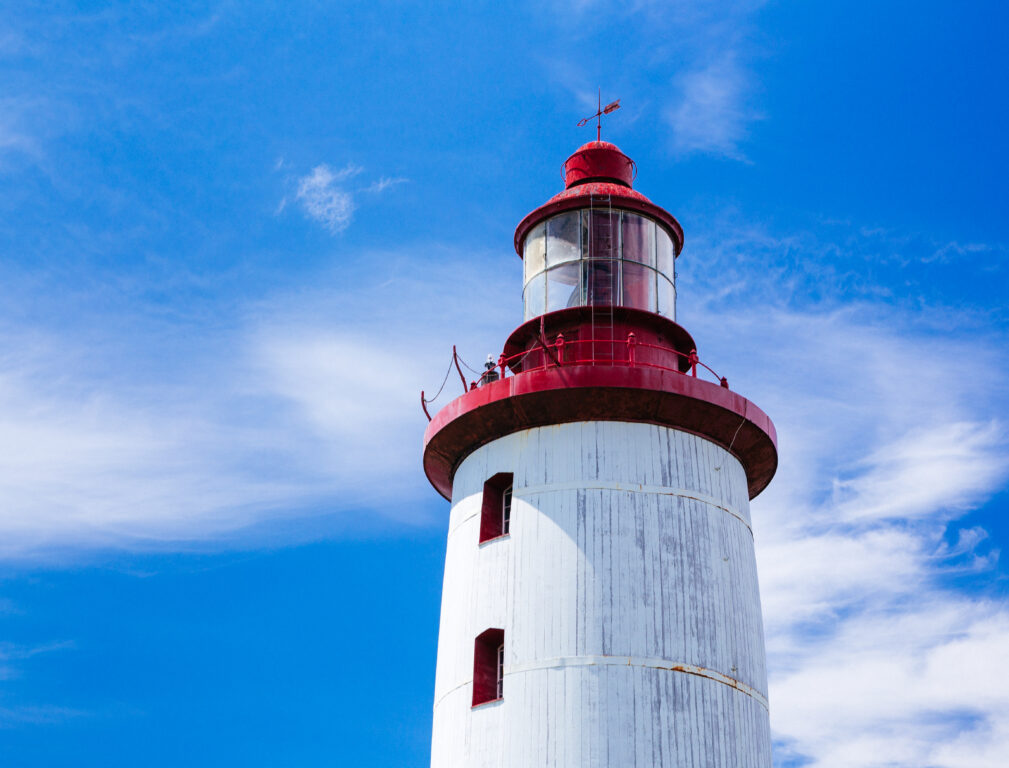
<point x="600" y="605"/>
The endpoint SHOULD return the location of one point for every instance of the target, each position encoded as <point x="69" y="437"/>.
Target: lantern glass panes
<point x="598" y="257"/>
<point x="638" y="289"/>
<point x="535" y="296"/>
<point x="534" y="253"/>
<point x="562" y="287"/>
<point x="602" y="280"/>
<point x="563" y="238"/>
<point x="666" y="305"/>
<point x="638" y="238"/>
<point x="604" y="234"/>
<point x="663" y="252"/>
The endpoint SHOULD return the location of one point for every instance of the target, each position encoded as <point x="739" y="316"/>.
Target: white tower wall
<point x="627" y="591"/>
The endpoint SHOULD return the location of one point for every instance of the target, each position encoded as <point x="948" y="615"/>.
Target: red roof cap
<point x="599" y="171"/>
<point x="599" y="161"/>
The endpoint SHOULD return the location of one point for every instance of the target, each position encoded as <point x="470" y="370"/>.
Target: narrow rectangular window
<point x="506" y="511"/>
<point x="500" y="671"/>
<point x="495" y="515"/>
<point x="488" y="666"/>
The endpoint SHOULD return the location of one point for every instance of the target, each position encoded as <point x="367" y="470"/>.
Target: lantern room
<point x="599" y="243"/>
<point x="598" y="256"/>
<point x="599" y="339"/>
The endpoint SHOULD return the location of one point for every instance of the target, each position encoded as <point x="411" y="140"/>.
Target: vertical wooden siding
<point x="630" y="554"/>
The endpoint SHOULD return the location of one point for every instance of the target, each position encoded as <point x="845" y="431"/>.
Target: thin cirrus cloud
<point x="384" y="183"/>
<point x="207" y="432"/>
<point x="833" y="582"/>
<point x="324" y="195"/>
<point x="876" y="568"/>
<point x="918" y="686"/>
<point x="20" y="128"/>
<point x="711" y="101"/>
<point x="874" y="657"/>
<point x="324" y="199"/>
<point x="90" y="461"/>
<point x="710" y="112"/>
<point x="855" y="545"/>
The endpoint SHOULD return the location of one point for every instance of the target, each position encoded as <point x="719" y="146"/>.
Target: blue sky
<point x="236" y="240"/>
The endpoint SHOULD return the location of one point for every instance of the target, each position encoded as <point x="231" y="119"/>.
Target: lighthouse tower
<point x="600" y="605"/>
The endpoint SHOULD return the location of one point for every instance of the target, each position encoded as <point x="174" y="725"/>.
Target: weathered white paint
<point x="628" y="595"/>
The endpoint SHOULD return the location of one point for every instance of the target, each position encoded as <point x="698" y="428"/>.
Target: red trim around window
<point x="491" y="515"/>
<point x="486" y="670"/>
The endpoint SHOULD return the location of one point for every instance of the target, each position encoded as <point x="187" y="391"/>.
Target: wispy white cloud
<point x="12" y="653"/>
<point x="86" y="461"/>
<point x="309" y="405"/>
<point x="183" y="29"/>
<point x="712" y="100"/>
<point x="354" y="381"/>
<point x="936" y="467"/>
<point x="384" y="183"/>
<point x="304" y="405"/>
<point x="875" y="658"/>
<point x="918" y="686"/>
<point x="832" y="264"/>
<point x="710" y="112"/>
<point x="20" y="129"/>
<point x="953" y="250"/>
<point x="36" y="715"/>
<point x="324" y="199"/>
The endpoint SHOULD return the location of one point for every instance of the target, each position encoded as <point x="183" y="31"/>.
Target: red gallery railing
<point x="627" y="352"/>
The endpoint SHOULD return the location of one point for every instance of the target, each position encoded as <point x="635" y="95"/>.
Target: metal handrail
<point x="562" y="352"/>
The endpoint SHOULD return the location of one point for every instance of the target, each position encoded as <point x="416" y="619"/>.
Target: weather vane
<point x="611" y="107"/>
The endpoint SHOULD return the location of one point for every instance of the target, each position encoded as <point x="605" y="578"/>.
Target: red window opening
<point x="488" y="666"/>
<point x="496" y="515"/>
